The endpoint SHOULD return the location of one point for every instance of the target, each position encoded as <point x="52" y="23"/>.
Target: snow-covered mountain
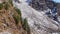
<point x="39" y="22"/>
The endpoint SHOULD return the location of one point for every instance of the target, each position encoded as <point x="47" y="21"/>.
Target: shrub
<point x="26" y="26"/>
<point x="6" y="6"/>
<point x="10" y="1"/>
<point x="17" y="19"/>
<point x="18" y="11"/>
<point x="1" y="6"/>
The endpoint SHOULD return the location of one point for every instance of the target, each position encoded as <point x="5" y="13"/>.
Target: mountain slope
<point x="37" y="21"/>
<point x="10" y="19"/>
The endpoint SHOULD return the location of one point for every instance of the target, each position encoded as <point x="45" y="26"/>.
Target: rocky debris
<point x="58" y="9"/>
<point x="38" y="4"/>
<point x="42" y="4"/>
<point x="7" y="23"/>
<point x="39" y="23"/>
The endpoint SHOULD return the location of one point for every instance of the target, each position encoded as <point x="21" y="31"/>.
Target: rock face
<point x="38" y="4"/>
<point x="42" y="5"/>
<point x="58" y="9"/>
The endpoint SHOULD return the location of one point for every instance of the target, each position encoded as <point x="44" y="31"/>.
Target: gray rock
<point x="38" y="4"/>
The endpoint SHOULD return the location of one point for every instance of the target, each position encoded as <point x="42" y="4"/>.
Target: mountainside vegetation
<point x="11" y="20"/>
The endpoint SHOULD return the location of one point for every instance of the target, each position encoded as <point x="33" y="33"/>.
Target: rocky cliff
<point x="41" y="4"/>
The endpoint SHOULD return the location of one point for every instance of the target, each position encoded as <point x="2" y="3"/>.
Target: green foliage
<point x="18" y="11"/>
<point x="10" y="1"/>
<point x="26" y="26"/>
<point x="25" y="23"/>
<point x="6" y="6"/>
<point x="1" y="6"/>
<point x="17" y="19"/>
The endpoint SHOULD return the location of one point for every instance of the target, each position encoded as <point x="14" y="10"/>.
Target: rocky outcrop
<point x="42" y="5"/>
<point x="38" y="4"/>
